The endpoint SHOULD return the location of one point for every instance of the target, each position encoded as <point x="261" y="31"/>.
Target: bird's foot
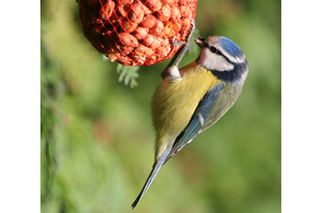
<point x="177" y="43"/>
<point x="176" y="60"/>
<point x="186" y="45"/>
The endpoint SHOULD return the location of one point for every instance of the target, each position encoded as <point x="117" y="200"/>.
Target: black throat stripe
<point x="232" y="75"/>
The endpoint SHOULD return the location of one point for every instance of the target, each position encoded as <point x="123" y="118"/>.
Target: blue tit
<point x="190" y="100"/>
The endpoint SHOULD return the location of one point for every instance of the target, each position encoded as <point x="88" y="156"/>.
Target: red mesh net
<point x="137" y="32"/>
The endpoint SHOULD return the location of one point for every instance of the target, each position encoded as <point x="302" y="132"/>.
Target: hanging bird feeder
<point x="137" y="32"/>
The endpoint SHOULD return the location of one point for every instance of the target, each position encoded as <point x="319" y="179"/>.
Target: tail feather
<point x="155" y="170"/>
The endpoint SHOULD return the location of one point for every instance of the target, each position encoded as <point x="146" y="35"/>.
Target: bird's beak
<point x="200" y="41"/>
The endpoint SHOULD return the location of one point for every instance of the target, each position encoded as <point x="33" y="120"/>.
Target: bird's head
<point x="219" y="53"/>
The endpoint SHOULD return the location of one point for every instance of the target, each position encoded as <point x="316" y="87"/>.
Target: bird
<point x="191" y="99"/>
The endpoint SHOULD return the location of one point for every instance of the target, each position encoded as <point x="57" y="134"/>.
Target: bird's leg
<point x="172" y="69"/>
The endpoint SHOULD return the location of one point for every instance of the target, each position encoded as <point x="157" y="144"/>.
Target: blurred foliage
<point x="97" y="138"/>
<point x="128" y="75"/>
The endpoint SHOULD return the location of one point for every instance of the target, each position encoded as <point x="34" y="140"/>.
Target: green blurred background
<point x="97" y="138"/>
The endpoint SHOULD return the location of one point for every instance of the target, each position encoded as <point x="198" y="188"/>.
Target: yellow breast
<point x="175" y="102"/>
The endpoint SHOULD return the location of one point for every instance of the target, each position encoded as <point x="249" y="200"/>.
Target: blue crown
<point x="230" y="47"/>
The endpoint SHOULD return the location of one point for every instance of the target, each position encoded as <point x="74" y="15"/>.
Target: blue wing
<point x="197" y="120"/>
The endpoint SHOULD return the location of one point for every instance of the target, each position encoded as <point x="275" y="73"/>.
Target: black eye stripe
<point x="214" y="50"/>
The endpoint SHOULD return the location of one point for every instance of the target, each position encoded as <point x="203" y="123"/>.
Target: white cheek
<point x="213" y="61"/>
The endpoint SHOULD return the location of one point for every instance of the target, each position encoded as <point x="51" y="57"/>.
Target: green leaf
<point x="128" y="75"/>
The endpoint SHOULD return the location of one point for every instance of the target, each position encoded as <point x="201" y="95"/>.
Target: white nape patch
<point x="213" y="61"/>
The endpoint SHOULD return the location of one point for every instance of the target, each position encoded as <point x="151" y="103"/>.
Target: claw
<point x="176" y="43"/>
<point x="175" y="61"/>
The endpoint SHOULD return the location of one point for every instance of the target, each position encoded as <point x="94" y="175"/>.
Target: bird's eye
<point x="215" y="50"/>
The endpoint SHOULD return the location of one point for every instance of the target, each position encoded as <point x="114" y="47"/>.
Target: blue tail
<point x="155" y="170"/>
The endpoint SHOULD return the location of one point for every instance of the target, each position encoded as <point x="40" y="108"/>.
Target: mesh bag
<point x="137" y="32"/>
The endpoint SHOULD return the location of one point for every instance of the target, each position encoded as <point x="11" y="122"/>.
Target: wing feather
<point x="198" y="119"/>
